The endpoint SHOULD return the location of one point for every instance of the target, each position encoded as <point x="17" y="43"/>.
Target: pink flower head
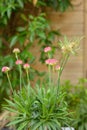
<point x="51" y="61"/>
<point x="5" y="69"/>
<point x="57" y="67"/>
<point x="19" y="62"/>
<point x="47" y="49"/>
<point x="16" y="50"/>
<point x="26" y="66"/>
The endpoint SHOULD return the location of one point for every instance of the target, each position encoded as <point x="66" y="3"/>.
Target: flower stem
<point x="9" y="82"/>
<point x="20" y="76"/>
<point x="63" y="63"/>
<point x="16" y="56"/>
<point x="28" y="81"/>
<point x="49" y="67"/>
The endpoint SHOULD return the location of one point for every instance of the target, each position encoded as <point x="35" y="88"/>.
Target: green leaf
<point x="13" y="41"/>
<point x="36" y="126"/>
<point x="9" y="13"/>
<point x="23" y="16"/>
<point x="21" y="3"/>
<point x="14" y="122"/>
<point x="22" y="125"/>
<point x="21" y="29"/>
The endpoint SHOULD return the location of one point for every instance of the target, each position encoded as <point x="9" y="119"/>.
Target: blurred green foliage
<point x="76" y="97"/>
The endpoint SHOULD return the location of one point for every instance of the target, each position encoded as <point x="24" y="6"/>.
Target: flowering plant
<point x="41" y="107"/>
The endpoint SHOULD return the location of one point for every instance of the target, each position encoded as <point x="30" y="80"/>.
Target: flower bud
<point x="47" y="49"/>
<point x="16" y="50"/>
<point x="26" y="66"/>
<point x="51" y="61"/>
<point x="19" y="62"/>
<point x="5" y="69"/>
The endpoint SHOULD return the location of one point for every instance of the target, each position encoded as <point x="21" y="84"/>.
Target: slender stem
<point x="28" y="80"/>
<point x="53" y="71"/>
<point x="58" y="87"/>
<point x="49" y="56"/>
<point x="9" y="82"/>
<point x="49" y="67"/>
<point x="20" y="72"/>
<point x="63" y="63"/>
<point x="20" y="76"/>
<point x="16" y="56"/>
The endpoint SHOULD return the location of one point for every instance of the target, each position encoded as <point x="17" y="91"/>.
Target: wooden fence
<point x="73" y="23"/>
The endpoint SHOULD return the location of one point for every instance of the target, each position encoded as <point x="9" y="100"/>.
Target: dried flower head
<point x="26" y="66"/>
<point x="47" y="49"/>
<point x="70" y="46"/>
<point x="16" y="50"/>
<point x="51" y="61"/>
<point x="5" y="69"/>
<point x="19" y="62"/>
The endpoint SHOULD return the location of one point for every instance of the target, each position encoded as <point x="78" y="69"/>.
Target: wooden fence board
<point x="71" y="24"/>
<point x="69" y="29"/>
<point x="67" y="17"/>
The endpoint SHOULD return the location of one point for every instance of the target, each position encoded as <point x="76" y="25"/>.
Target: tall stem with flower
<point x="60" y="69"/>
<point x="67" y="48"/>
<point x="18" y="62"/>
<point x="26" y="66"/>
<point x="6" y="69"/>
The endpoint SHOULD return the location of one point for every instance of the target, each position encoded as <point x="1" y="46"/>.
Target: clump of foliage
<point x="33" y="28"/>
<point x="76" y="98"/>
<point x="41" y="107"/>
<point x="9" y="6"/>
<point x="19" y="29"/>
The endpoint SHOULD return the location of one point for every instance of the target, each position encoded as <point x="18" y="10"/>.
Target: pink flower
<point x="19" y="62"/>
<point x="26" y="66"/>
<point x="47" y="49"/>
<point x="5" y="69"/>
<point x="57" y="67"/>
<point x="51" y="61"/>
<point x="16" y="50"/>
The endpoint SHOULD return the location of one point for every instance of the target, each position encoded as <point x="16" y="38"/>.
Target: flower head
<point x="51" y="61"/>
<point x="26" y="66"/>
<point x="47" y="49"/>
<point x="19" y="62"/>
<point x="5" y="69"/>
<point x="16" y="50"/>
<point x="57" y="67"/>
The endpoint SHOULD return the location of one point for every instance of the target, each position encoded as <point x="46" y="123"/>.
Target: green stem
<point x="9" y="82"/>
<point x="58" y="87"/>
<point x="53" y="75"/>
<point x="28" y="80"/>
<point x="20" y="76"/>
<point x="16" y="56"/>
<point x="63" y="63"/>
<point x="49" y="67"/>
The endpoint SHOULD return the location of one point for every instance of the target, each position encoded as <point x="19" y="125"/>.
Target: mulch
<point x="4" y="120"/>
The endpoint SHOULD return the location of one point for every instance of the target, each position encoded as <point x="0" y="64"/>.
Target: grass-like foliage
<point x="38" y="110"/>
<point x="43" y="106"/>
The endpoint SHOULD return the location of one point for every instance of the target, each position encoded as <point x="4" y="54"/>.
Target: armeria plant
<point x="41" y="107"/>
